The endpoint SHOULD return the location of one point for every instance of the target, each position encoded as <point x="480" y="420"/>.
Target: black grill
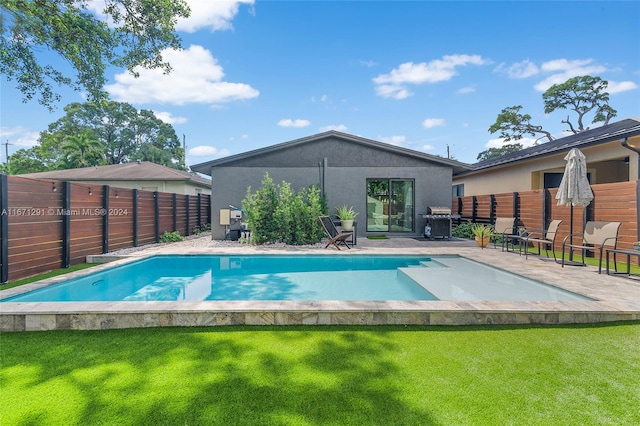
<point x="438" y="224"/>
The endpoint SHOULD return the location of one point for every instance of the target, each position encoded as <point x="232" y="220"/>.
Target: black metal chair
<point x="336" y="238"/>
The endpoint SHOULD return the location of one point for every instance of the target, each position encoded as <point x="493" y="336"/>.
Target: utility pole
<point x="184" y="151"/>
<point x="6" y="151"/>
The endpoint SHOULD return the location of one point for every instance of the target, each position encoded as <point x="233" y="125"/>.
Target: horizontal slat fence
<point x="613" y="202"/>
<point x="45" y="225"/>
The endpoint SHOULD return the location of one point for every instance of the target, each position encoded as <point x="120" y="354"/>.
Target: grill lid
<point x="439" y="210"/>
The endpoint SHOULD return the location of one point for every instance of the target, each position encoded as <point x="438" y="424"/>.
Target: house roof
<point x="205" y="168"/>
<point x="143" y="171"/>
<point x="615" y="131"/>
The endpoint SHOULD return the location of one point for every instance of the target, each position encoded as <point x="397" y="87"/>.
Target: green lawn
<point x="39" y="277"/>
<point x="491" y="375"/>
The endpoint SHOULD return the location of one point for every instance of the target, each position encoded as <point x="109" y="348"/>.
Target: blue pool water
<point x="324" y="277"/>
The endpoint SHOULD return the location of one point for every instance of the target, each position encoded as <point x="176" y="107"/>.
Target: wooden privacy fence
<point x="613" y="202"/>
<point x="45" y="225"/>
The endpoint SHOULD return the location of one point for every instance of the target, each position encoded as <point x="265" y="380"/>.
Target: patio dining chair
<point x="503" y="232"/>
<point x="596" y="236"/>
<point x="335" y="238"/>
<point x="542" y="237"/>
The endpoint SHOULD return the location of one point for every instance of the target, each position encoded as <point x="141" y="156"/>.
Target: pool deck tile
<point x="616" y="298"/>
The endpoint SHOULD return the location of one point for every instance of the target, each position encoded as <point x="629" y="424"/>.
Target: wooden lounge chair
<point x="596" y="236"/>
<point x="336" y="238"/>
<point x="547" y="238"/>
<point x="503" y="231"/>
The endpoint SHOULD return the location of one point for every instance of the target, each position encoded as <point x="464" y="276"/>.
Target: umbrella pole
<point x="571" y="232"/>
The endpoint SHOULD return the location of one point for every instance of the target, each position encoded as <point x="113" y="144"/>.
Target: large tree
<point x="581" y="95"/>
<point x="117" y="130"/>
<point x="132" y="33"/>
<point x="82" y="150"/>
<point x="498" y="152"/>
<point x="126" y="133"/>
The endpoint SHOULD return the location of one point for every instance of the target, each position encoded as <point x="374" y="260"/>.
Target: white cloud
<point x="196" y="78"/>
<point x="391" y="85"/>
<point x="621" y="86"/>
<point x="167" y="117"/>
<point x="519" y="70"/>
<point x="466" y="90"/>
<point x="215" y="15"/>
<point x="392" y="91"/>
<point x="564" y="69"/>
<point x="432" y="122"/>
<point x="336" y="127"/>
<point x="368" y="64"/>
<point x="393" y="140"/>
<point x="428" y="148"/>
<point x="293" y="123"/>
<point x="19" y="137"/>
<point x="208" y="151"/>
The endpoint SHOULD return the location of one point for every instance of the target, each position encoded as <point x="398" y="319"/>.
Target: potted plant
<point x="482" y="233"/>
<point x="346" y="215"/>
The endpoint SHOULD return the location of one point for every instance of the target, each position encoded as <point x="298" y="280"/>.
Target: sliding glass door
<point x="390" y="205"/>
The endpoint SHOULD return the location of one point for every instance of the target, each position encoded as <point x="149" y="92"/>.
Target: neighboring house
<point x="142" y="175"/>
<point x="611" y="152"/>
<point x="389" y="186"/>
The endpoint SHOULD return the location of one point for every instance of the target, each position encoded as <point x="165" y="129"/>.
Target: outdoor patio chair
<point x="596" y="236"/>
<point x="336" y="238"/>
<point x="542" y="237"/>
<point x="503" y="232"/>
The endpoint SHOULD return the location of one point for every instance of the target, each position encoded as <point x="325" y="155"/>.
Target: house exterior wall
<point x="605" y="163"/>
<point x="345" y="178"/>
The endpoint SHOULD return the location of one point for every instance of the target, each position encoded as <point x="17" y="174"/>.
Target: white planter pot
<point x="347" y="225"/>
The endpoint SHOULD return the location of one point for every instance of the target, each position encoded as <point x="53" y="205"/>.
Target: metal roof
<point x="205" y="168"/>
<point x="618" y="130"/>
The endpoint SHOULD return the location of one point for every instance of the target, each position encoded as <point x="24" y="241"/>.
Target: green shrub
<point x="280" y="214"/>
<point x="462" y="231"/>
<point x="171" y="237"/>
<point x="200" y="229"/>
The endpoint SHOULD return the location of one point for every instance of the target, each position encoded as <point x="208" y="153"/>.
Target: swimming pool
<point x="300" y="277"/>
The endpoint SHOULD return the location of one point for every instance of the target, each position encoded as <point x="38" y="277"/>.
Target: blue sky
<point x="419" y="74"/>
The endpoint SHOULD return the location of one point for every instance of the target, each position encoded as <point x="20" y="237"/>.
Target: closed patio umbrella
<point x="574" y="188"/>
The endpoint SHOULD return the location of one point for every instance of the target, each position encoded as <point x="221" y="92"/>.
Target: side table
<point x="625" y="252"/>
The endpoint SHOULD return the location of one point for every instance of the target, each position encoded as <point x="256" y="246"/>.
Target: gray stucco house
<point x="389" y="186"/>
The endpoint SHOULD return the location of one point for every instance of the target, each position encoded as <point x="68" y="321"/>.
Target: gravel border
<point x="203" y="240"/>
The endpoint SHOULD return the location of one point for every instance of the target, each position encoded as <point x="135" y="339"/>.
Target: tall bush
<point x="280" y="214"/>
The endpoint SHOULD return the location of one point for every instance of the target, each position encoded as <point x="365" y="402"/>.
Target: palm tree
<point x="82" y="151"/>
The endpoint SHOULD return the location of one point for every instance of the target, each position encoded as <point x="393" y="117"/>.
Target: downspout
<point x="325" y="165"/>
<point x="625" y="143"/>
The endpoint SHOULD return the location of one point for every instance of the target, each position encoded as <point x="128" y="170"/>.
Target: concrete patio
<point x="616" y="298"/>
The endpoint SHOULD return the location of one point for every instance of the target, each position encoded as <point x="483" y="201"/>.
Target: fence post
<point x="4" y="229"/>
<point x="135" y="217"/>
<point x="516" y="209"/>
<point x="186" y="197"/>
<point x="638" y="211"/>
<point x="199" y="210"/>
<point x="156" y="215"/>
<point x="474" y="208"/>
<point x="209" y="209"/>
<point x="546" y="208"/>
<point x="175" y="212"/>
<point x="66" y="224"/>
<point x="105" y="218"/>
<point x="492" y="209"/>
